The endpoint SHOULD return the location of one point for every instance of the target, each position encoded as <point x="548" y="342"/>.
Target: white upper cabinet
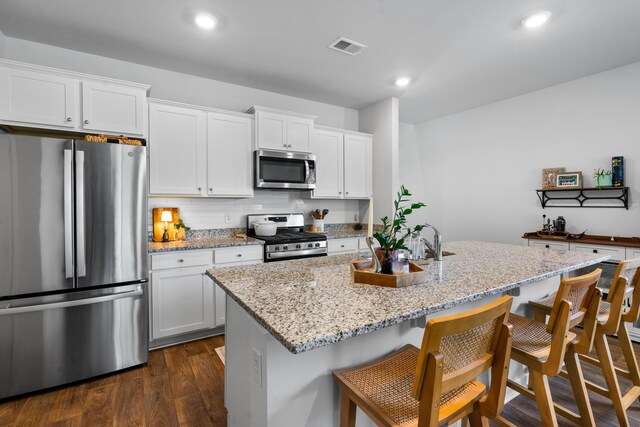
<point x="358" y="175"/>
<point x="42" y="97"/>
<point x="229" y="166"/>
<point x="112" y="108"/>
<point x="177" y="150"/>
<point x="328" y="148"/>
<point x="34" y="98"/>
<point x="343" y="164"/>
<point x="282" y="130"/>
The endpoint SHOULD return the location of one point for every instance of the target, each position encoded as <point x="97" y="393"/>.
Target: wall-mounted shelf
<point x="582" y="195"/>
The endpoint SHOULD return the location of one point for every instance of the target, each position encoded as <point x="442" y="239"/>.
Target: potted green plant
<point x="603" y="178"/>
<point x="395" y="230"/>
<point x="181" y="230"/>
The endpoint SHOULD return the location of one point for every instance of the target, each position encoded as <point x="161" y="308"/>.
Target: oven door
<point x="285" y="170"/>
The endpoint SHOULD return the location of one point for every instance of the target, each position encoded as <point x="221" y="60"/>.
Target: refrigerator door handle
<point x="68" y="213"/>
<point x="65" y="304"/>
<point x="80" y="216"/>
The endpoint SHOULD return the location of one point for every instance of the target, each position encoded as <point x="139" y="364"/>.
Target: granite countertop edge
<point x="201" y="243"/>
<point x="301" y="347"/>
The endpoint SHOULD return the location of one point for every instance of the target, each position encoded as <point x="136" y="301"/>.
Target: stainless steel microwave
<point x="285" y="170"/>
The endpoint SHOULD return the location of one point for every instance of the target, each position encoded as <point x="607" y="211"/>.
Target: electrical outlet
<point x="227" y="218"/>
<point x="356" y="218"/>
<point x="256" y="367"/>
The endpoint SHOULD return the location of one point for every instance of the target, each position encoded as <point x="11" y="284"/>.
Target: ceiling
<point x="460" y="54"/>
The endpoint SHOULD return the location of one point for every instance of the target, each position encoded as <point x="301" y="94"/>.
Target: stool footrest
<point x="593" y="361"/>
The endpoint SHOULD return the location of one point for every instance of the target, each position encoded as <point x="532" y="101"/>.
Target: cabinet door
<point x="271" y="130"/>
<point x="357" y="167"/>
<point x="340" y="246"/>
<point x="617" y="253"/>
<point x="632" y="253"/>
<point x="38" y="98"/>
<point x="229" y="169"/>
<point x="112" y="108"/>
<point x="221" y="307"/>
<point x="561" y="246"/>
<point x="177" y="151"/>
<point x="299" y="133"/>
<point x="182" y="301"/>
<point x="328" y="148"/>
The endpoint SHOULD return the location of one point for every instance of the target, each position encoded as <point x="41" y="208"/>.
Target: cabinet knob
<point x="347" y="192"/>
<point x="595" y="251"/>
<point x="181" y="260"/>
<point x="339" y="192"/>
<point x="210" y="188"/>
<point x="239" y="255"/>
<point x="86" y="122"/>
<point x="199" y="188"/>
<point x="342" y="246"/>
<point x="546" y="246"/>
<point x="69" y="119"/>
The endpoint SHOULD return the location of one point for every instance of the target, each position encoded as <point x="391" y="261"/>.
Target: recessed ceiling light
<point x="536" y="20"/>
<point x="205" y="21"/>
<point x="403" y="81"/>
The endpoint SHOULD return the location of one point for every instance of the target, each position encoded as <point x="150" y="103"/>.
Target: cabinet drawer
<point x="181" y="259"/>
<point x="342" y="245"/>
<point x="560" y="246"/>
<point x="239" y="254"/>
<point x="617" y="253"/>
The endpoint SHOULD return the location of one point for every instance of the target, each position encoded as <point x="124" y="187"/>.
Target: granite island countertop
<point x="312" y="302"/>
<point x="208" y="242"/>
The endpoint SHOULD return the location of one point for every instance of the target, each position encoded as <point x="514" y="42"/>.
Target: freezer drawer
<point x="53" y="340"/>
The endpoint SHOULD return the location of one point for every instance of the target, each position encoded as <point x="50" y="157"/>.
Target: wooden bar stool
<point x="622" y="305"/>
<point x="543" y="347"/>
<point x="437" y="384"/>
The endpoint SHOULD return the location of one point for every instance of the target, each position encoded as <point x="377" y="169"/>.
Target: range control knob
<point x="297" y="246"/>
<point x="310" y="245"/>
<point x="317" y="245"/>
<point x="277" y="248"/>
<point x="284" y="248"/>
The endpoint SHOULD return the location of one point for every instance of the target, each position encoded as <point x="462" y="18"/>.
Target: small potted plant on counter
<point x="181" y="230"/>
<point x="395" y="231"/>
<point x="603" y="178"/>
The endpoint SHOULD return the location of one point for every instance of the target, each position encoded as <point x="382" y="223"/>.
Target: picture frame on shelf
<point x="569" y="180"/>
<point x="549" y="177"/>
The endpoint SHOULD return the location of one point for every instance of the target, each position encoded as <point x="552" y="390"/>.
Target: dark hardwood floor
<point x="180" y="386"/>
<point x="183" y="386"/>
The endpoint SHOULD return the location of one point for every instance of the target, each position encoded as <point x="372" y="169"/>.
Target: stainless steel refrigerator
<point x="73" y="260"/>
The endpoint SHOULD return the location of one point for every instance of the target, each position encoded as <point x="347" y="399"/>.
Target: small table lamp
<point x="166" y="217"/>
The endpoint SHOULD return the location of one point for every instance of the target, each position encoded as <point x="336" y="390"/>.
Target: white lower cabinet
<point x="561" y="246"/>
<point x="181" y="301"/>
<point x="184" y="300"/>
<point x="617" y="253"/>
<point x="342" y="246"/>
<point x="633" y="253"/>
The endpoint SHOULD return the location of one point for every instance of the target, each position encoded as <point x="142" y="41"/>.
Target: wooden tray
<point x="361" y="273"/>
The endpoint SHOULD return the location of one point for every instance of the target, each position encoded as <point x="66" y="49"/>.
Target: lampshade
<point x="166" y="216"/>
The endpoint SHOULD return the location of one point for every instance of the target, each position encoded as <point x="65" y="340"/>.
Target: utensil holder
<point x="319" y="225"/>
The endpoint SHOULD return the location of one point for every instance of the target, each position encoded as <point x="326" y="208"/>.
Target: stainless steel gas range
<point x="290" y="240"/>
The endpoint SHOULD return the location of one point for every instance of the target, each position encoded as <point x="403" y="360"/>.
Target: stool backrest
<point x="627" y="274"/>
<point x="578" y="291"/>
<point x="456" y="349"/>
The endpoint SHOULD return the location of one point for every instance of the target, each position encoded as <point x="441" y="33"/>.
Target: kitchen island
<point x="291" y="323"/>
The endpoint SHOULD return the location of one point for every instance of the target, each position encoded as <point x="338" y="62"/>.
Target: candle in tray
<point x="370" y="225"/>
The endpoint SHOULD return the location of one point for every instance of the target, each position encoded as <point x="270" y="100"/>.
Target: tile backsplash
<point x="209" y="213"/>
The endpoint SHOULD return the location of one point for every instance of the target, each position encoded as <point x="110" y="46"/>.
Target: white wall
<point x="410" y="170"/>
<point x="481" y="166"/>
<point x="206" y="213"/>
<point x="381" y="120"/>
<point x="2" y="43"/>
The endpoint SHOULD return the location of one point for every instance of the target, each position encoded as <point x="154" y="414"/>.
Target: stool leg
<point x="347" y="411"/>
<point x="579" y="388"/>
<point x="629" y="354"/>
<point x="610" y="377"/>
<point x="542" y="392"/>
<point x="476" y="419"/>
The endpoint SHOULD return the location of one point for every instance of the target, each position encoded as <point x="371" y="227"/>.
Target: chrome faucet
<point x="436" y="247"/>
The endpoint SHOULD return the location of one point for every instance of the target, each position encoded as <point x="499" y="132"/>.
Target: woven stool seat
<point x="531" y="337"/>
<point x="387" y="384"/>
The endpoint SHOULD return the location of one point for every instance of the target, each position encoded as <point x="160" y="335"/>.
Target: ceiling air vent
<point x="347" y="46"/>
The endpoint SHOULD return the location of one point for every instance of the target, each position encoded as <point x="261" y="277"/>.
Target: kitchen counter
<point x="630" y="242"/>
<point x="289" y="324"/>
<point x="208" y="242"/>
<point x="306" y="304"/>
<point x="345" y="233"/>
